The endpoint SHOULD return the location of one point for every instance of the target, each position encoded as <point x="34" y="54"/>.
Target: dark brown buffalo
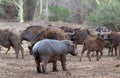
<point x="29" y="33"/>
<point x="79" y="35"/>
<point x="114" y="38"/>
<point x="50" y="33"/>
<point x="49" y="51"/>
<point x="9" y="39"/>
<point x="93" y="44"/>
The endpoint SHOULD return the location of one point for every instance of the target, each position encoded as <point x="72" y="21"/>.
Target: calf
<point x="48" y="50"/>
<point x="93" y="44"/>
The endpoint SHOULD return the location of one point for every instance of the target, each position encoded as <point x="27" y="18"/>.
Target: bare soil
<point x="10" y="67"/>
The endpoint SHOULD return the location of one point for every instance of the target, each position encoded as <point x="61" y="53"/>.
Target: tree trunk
<point x="21" y="11"/>
<point x="98" y="2"/>
<point x="19" y="4"/>
<point x="47" y="10"/>
<point x="29" y="9"/>
<point x="41" y="8"/>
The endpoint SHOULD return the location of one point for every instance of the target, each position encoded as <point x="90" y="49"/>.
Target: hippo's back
<point x="49" y="47"/>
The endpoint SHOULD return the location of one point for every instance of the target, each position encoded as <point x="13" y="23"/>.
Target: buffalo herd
<point x="49" y="44"/>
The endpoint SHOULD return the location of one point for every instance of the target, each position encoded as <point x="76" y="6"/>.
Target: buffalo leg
<point x="83" y="50"/>
<point x="109" y="51"/>
<point x="16" y="48"/>
<point x="119" y="53"/>
<point x="17" y="52"/>
<point x="38" y="65"/>
<point x="7" y="50"/>
<point x="22" y="51"/>
<point x="93" y="54"/>
<point x="55" y="66"/>
<point x="63" y="63"/>
<point x="115" y="50"/>
<point x="101" y="53"/>
<point x="88" y="55"/>
<point x="97" y="56"/>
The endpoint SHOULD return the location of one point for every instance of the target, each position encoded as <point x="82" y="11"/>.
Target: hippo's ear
<point x="29" y="47"/>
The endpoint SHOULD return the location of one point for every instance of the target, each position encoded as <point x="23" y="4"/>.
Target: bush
<point x="106" y="14"/>
<point x="59" y="13"/>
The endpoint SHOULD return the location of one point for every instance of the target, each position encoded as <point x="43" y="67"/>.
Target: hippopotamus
<point x="49" y="51"/>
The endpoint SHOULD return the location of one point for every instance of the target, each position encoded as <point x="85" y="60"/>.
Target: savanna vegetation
<point x="90" y="12"/>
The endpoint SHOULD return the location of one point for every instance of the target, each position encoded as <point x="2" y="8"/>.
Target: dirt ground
<point x="10" y="67"/>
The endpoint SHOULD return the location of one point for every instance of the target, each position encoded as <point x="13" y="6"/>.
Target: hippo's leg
<point x="83" y="50"/>
<point x="88" y="55"/>
<point x="55" y="66"/>
<point x="44" y="65"/>
<point x="63" y="63"/>
<point x="7" y="50"/>
<point x="37" y="61"/>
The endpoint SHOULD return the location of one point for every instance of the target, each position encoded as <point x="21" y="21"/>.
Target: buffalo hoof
<point x="117" y="65"/>
<point x="16" y="57"/>
<point x="80" y="60"/>
<point x="22" y="57"/>
<point x="54" y="70"/>
<point x="118" y="57"/>
<point x="97" y="59"/>
<point x="65" y="69"/>
<point x="39" y="71"/>
<point x="90" y="60"/>
<point x="45" y="73"/>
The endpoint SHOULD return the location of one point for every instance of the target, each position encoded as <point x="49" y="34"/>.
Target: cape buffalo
<point x="48" y="50"/>
<point x="93" y="44"/>
<point x="114" y="38"/>
<point x="29" y="33"/>
<point x="9" y="39"/>
<point x="79" y="35"/>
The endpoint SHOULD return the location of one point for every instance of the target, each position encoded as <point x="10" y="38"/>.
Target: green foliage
<point x="107" y="14"/>
<point x="59" y="13"/>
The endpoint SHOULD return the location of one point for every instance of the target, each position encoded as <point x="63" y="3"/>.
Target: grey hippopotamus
<point x="49" y="51"/>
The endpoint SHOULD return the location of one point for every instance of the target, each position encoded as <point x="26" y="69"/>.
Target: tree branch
<point x="16" y="4"/>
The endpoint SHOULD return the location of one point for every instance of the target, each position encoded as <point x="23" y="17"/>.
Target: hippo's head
<point x="72" y="48"/>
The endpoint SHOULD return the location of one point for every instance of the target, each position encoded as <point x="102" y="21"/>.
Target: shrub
<point x="59" y="13"/>
<point x="107" y="14"/>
